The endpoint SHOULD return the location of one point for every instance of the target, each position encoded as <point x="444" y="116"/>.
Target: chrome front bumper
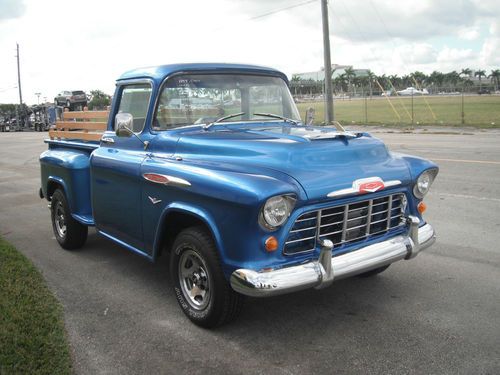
<point x="322" y="272"/>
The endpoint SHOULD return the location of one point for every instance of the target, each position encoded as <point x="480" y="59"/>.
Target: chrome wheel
<point x="60" y="220"/>
<point x="194" y="279"/>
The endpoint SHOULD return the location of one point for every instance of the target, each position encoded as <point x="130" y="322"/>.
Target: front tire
<point x="200" y="287"/>
<point x="68" y="232"/>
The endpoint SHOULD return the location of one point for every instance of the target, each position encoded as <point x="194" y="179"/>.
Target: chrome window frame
<point x="203" y="72"/>
<point x="130" y="82"/>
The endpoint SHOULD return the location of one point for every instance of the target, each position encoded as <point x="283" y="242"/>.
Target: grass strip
<point x="32" y="334"/>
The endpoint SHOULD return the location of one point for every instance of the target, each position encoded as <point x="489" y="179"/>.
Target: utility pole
<point x="19" y="76"/>
<point x="19" y="116"/>
<point x="329" y="114"/>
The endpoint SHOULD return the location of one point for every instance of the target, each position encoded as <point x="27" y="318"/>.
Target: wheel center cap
<point x="196" y="278"/>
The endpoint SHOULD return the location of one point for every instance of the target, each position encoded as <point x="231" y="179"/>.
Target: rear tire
<point x="68" y="232"/>
<point x="200" y="287"/>
<point x="374" y="272"/>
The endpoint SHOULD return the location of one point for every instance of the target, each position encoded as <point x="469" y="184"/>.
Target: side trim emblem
<point x="364" y="186"/>
<point x="154" y="200"/>
<point x="163" y="179"/>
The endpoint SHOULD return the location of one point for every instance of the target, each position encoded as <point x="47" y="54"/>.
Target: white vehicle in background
<point x="409" y="91"/>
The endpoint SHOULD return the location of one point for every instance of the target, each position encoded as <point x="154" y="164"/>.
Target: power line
<point x="282" y="9"/>
<point x="8" y="88"/>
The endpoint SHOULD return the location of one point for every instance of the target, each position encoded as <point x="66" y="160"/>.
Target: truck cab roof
<point x="158" y="73"/>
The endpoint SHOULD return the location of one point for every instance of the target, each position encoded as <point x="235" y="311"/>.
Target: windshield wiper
<point x="207" y="126"/>
<point x="286" y="119"/>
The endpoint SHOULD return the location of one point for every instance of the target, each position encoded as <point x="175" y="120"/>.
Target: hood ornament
<point x="364" y="186"/>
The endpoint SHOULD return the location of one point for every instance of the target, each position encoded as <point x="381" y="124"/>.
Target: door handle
<point x="107" y="140"/>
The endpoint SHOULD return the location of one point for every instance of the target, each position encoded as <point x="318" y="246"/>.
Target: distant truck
<point x="243" y="198"/>
<point x="44" y="116"/>
<point x="4" y="125"/>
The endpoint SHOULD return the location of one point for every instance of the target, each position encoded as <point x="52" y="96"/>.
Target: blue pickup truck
<point x="210" y="165"/>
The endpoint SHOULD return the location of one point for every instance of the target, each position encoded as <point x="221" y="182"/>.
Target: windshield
<point x="203" y="99"/>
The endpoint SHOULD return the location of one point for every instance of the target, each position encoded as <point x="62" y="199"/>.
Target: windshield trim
<point x="207" y="72"/>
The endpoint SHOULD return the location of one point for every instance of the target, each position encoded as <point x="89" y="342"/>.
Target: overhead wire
<point x="400" y="56"/>
<point x="8" y="88"/>
<point x="370" y="48"/>
<point x="281" y="9"/>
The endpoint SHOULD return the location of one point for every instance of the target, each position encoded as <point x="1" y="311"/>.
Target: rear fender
<point x="53" y="182"/>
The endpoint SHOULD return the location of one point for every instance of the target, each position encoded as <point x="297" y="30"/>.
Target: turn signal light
<point x="271" y="244"/>
<point x="421" y="207"/>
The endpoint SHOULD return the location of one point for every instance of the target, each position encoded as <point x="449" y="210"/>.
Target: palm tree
<point x="419" y="77"/>
<point x="479" y="74"/>
<point x="466" y="72"/>
<point x="495" y="77"/>
<point x="349" y="75"/>
<point x="452" y="78"/>
<point x="382" y="80"/>
<point x="371" y="77"/>
<point x="395" y="81"/>
<point x="468" y="83"/>
<point x="436" y="79"/>
<point x="295" y="83"/>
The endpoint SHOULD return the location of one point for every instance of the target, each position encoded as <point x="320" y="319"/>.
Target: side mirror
<point x="123" y="124"/>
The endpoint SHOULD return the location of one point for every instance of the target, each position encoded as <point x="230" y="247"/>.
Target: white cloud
<point x="88" y="46"/>
<point x="454" y="55"/>
<point x="469" y="33"/>
<point x="490" y="51"/>
<point x="11" y="9"/>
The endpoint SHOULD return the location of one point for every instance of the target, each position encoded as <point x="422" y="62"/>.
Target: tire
<point x="374" y="272"/>
<point x="68" y="232"/>
<point x="195" y="268"/>
<point x="68" y="104"/>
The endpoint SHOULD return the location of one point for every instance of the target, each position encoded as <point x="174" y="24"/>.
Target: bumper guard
<point x="322" y="272"/>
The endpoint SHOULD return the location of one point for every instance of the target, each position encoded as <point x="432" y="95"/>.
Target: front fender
<point x="416" y="165"/>
<point x="187" y="208"/>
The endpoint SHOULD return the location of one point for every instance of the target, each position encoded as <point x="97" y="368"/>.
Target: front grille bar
<point x="358" y="220"/>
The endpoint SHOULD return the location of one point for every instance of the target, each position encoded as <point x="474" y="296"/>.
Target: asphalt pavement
<point x="436" y="314"/>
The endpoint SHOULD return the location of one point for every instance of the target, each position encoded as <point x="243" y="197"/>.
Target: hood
<point x="319" y="159"/>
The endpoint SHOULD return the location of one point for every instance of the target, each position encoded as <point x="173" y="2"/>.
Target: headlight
<point x="276" y="211"/>
<point x="424" y="182"/>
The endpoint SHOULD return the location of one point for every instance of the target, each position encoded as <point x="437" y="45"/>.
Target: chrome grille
<point x="346" y="224"/>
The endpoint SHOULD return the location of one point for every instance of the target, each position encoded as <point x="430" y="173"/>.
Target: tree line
<point x="349" y="81"/>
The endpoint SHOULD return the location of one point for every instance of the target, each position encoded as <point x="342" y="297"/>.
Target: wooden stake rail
<point x="85" y="125"/>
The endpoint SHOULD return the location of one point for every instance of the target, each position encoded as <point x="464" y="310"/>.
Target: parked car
<point x="4" y="125"/>
<point x="484" y="91"/>
<point x="409" y="91"/>
<point x="248" y="204"/>
<point x="71" y="99"/>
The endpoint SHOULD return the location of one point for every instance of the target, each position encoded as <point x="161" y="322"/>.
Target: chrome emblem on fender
<point x="154" y="200"/>
<point x="364" y="186"/>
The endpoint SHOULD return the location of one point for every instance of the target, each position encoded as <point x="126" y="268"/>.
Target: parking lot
<point x="437" y="314"/>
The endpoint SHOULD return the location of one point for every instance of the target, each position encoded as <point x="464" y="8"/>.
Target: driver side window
<point x="135" y="100"/>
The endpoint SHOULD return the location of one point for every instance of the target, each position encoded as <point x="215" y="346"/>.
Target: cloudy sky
<point x="88" y="44"/>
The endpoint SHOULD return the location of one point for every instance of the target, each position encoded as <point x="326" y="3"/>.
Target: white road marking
<point x="469" y="197"/>
<point x="469" y="161"/>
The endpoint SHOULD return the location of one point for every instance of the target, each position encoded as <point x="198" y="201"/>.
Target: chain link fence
<point x="477" y="106"/>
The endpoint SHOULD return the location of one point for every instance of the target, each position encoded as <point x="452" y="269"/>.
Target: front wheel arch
<point x="52" y="186"/>
<point x="174" y="219"/>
